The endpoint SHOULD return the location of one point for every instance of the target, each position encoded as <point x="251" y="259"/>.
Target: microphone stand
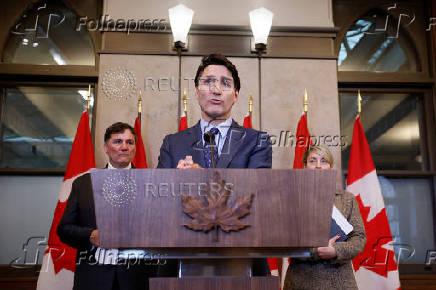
<point x="208" y="138"/>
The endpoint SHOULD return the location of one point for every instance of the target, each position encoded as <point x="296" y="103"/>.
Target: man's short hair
<point x="117" y="128"/>
<point x="218" y="59"/>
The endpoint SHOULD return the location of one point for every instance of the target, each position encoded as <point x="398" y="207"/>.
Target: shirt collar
<point x="109" y="166"/>
<point x="222" y="127"/>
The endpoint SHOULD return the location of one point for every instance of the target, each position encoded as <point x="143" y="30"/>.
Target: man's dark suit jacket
<point x="75" y="228"/>
<point x="243" y="148"/>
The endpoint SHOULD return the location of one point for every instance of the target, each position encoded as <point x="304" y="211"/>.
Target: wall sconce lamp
<point x="180" y="21"/>
<point x="260" y="21"/>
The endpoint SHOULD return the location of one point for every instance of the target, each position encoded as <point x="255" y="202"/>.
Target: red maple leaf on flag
<point x="61" y="254"/>
<point x="375" y="257"/>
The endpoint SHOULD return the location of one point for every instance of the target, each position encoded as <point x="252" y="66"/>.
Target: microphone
<point x="209" y="137"/>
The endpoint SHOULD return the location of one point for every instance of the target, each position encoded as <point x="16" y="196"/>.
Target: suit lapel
<point x="196" y="148"/>
<point x="233" y="141"/>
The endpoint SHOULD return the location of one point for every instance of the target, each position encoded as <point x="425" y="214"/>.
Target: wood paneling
<point x="289" y="45"/>
<point x="18" y="283"/>
<point x="48" y="70"/>
<point x="290" y="209"/>
<point x="418" y="282"/>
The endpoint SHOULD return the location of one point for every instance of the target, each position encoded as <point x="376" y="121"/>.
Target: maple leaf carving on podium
<point x="215" y="212"/>
<point x="376" y="256"/>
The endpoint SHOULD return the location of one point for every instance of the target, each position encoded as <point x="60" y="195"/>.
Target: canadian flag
<point x="140" y="159"/>
<point x="302" y="141"/>
<point x="59" y="262"/>
<point x="183" y="124"/>
<point x="247" y="121"/>
<point x="375" y="267"/>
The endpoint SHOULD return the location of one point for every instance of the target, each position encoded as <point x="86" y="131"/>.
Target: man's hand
<point x="328" y="252"/>
<point x="94" y="238"/>
<point x="188" y="163"/>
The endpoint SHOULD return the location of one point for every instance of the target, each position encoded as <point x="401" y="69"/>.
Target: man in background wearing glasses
<point x="217" y="87"/>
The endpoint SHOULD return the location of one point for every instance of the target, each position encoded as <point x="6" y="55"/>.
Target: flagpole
<point x="185" y="102"/>
<point x="140" y="104"/>
<point x="305" y="102"/>
<point x="259" y="56"/>
<point x="89" y="99"/>
<point x="250" y="105"/>
<point x="179" y="54"/>
<point x="183" y="117"/>
<point x="359" y="103"/>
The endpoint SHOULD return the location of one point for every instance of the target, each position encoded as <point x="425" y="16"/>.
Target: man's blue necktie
<point x="207" y="157"/>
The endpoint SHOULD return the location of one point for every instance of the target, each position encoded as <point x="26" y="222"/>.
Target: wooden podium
<point x="142" y="208"/>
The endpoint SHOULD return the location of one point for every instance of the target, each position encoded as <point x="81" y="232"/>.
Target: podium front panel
<point x="142" y="208"/>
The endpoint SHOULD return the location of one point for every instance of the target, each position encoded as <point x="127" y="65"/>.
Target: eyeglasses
<point x="210" y="83"/>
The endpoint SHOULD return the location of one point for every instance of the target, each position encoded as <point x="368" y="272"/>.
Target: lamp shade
<point x="261" y="21"/>
<point x="180" y="21"/>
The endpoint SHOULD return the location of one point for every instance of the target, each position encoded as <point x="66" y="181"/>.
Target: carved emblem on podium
<point x="216" y="211"/>
<point x="119" y="190"/>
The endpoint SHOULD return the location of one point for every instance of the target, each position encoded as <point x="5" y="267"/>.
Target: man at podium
<point x="217" y="86"/>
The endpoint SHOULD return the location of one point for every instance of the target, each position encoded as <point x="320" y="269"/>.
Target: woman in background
<point x="329" y="267"/>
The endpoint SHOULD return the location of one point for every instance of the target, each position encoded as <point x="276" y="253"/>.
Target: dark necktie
<point x="207" y="157"/>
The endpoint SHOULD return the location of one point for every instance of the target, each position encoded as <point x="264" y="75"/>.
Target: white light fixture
<point x="180" y="21"/>
<point x="260" y="21"/>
